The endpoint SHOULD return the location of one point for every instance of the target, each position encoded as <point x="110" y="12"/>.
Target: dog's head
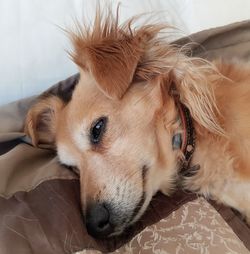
<point x="118" y="127"/>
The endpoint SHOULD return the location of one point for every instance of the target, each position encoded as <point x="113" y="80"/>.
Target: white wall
<point x="32" y="46"/>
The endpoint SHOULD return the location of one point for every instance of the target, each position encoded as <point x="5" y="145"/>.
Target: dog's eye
<point x="97" y="130"/>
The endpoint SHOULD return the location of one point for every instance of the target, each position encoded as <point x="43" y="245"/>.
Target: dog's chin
<point x="121" y="231"/>
<point x="125" y="229"/>
<point x="118" y="232"/>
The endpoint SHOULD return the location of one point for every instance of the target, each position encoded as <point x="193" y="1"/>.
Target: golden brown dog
<point x="130" y="125"/>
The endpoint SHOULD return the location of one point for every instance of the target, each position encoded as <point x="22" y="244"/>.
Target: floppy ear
<point x="42" y="119"/>
<point x="192" y="79"/>
<point x="113" y="65"/>
<point x="108" y="51"/>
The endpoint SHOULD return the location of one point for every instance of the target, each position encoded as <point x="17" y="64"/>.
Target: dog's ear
<point x="42" y="119"/>
<point x="112" y="63"/>
<point x="192" y="81"/>
<point x="108" y="51"/>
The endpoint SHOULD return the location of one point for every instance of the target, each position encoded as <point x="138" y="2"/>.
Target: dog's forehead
<point x="88" y="104"/>
<point x="88" y="99"/>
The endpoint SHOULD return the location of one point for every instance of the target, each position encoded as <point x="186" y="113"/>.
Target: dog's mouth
<point x="107" y="219"/>
<point x="137" y="211"/>
<point x="128" y="222"/>
<point x="103" y="221"/>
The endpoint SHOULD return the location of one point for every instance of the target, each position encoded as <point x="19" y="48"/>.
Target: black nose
<point x="98" y="221"/>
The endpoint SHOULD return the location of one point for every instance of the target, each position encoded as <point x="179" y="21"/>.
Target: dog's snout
<point x="98" y="221"/>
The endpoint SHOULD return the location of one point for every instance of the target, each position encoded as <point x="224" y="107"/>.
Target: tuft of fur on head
<point x="117" y="55"/>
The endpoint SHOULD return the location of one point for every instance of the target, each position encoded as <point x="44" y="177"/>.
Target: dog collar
<point x="185" y="141"/>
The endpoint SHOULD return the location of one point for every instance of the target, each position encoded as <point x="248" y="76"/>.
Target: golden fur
<point x="127" y="74"/>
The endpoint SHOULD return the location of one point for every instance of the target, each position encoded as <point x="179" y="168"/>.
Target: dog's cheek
<point x="168" y="186"/>
<point x="160" y="179"/>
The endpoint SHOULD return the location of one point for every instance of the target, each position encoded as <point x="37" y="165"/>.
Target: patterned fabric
<point x="195" y="228"/>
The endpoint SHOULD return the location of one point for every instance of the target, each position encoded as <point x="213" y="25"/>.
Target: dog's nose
<point x="98" y="221"/>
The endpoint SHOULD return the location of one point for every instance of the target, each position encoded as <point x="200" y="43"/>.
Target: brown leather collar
<point x="187" y="142"/>
<point x="188" y="137"/>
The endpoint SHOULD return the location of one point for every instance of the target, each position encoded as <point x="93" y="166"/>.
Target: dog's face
<point x="118" y="127"/>
<point x="119" y="147"/>
<point x="115" y="146"/>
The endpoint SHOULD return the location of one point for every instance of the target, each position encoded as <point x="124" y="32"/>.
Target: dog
<point x="145" y="117"/>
